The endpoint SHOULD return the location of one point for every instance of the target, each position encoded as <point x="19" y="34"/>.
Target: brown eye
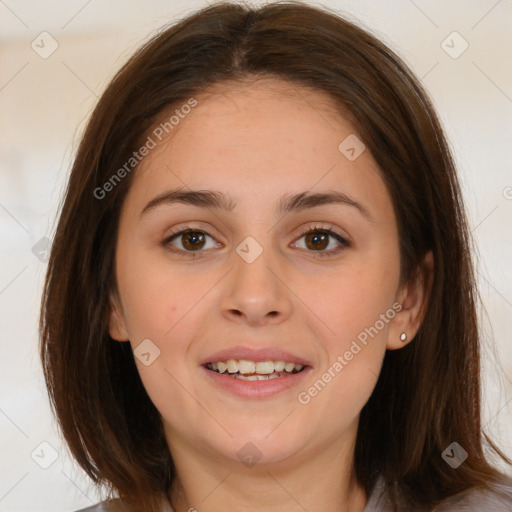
<point x="188" y="240"/>
<point x="318" y="239"/>
<point x="193" y="240"/>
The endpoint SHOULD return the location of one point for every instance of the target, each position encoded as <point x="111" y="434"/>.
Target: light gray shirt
<point x="471" y="500"/>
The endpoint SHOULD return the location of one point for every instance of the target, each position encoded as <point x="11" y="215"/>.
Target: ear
<point x="413" y="297"/>
<point x="117" y="325"/>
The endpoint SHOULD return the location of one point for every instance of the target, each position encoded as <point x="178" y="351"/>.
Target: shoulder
<point x="497" y="499"/>
<point x="115" y="505"/>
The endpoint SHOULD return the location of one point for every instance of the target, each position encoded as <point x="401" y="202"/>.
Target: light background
<point x="44" y="104"/>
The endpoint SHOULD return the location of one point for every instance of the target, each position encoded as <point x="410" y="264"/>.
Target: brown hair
<point x="428" y="393"/>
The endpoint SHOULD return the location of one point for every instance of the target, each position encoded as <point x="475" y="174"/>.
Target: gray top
<point x="471" y="500"/>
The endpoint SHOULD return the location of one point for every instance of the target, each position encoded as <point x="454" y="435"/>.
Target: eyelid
<point x="330" y="230"/>
<point x="190" y="226"/>
<point x="344" y="241"/>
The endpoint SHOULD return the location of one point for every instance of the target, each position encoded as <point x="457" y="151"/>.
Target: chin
<point x="254" y="442"/>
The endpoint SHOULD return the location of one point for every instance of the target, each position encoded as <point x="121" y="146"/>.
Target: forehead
<point x="252" y="137"/>
<point x="270" y="115"/>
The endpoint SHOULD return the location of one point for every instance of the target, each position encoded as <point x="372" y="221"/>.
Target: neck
<point x="321" y="479"/>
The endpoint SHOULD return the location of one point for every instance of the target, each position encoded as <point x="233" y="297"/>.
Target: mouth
<point x="255" y="373"/>
<point x="244" y="369"/>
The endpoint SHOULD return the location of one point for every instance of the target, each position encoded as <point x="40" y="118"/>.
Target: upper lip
<point x="255" y="354"/>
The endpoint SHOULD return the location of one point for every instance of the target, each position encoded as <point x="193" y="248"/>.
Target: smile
<point x="251" y="370"/>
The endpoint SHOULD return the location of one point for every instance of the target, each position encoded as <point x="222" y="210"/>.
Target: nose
<point x="257" y="293"/>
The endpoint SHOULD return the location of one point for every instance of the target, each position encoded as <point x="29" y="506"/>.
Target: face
<point x="311" y="286"/>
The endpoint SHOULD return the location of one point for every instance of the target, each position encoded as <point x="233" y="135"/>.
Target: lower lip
<point x="256" y="388"/>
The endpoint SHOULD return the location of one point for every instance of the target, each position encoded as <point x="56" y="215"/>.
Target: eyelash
<point x="315" y="229"/>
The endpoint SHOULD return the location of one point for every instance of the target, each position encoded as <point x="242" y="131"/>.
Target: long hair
<point x="428" y="393"/>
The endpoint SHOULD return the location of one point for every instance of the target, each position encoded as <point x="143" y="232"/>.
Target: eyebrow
<point x="288" y="203"/>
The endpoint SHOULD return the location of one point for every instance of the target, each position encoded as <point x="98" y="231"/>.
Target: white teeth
<point x="289" y="367"/>
<point x="279" y="366"/>
<point x="265" y="367"/>
<point x="246" y="366"/>
<point x="250" y="370"/>
<point x="256" y="376"/>
<point x="245" y="377"/>
<point x="232" y="366"/>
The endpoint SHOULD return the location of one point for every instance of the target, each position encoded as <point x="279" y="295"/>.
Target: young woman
<point x="260" y="293"/>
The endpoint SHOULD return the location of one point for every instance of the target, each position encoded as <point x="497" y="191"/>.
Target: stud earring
<point x="403" y="336"/>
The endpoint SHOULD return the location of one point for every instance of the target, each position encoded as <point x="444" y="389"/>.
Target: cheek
<point x="353" y="299"/>
<point x="353" y="358"/>
<point x="355" y="306"/>
<point x="156" y="294"/>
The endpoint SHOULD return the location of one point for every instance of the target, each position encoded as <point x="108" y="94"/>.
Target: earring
<point x="403" y="336"/>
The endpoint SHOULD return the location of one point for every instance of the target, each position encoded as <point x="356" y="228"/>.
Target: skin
<point x="256" y="142"/>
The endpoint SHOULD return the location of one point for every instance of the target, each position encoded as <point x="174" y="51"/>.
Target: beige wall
<point x="43" y="107"/>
